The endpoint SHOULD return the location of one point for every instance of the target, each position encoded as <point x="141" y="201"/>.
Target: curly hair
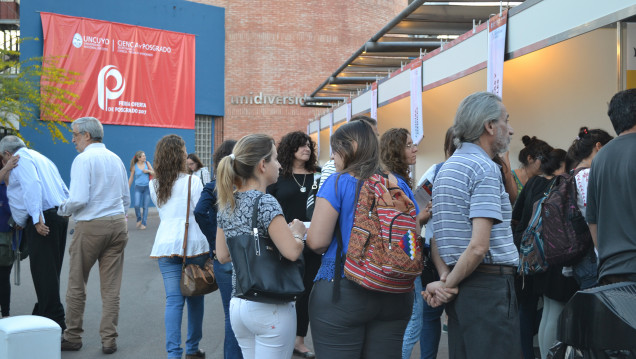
<point x="134" y="160"/>
<point x="289" y="144"/>
<point x="170" y="160"/>
<point x="392" y="156"/>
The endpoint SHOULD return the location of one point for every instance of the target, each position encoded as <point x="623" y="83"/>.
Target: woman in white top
<point x="169" y="192"/>
<point x="263" y="330"/>
<point x="195" y="167"/>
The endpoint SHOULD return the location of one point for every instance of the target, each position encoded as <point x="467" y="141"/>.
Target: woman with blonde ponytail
<point x="263" y="330"/>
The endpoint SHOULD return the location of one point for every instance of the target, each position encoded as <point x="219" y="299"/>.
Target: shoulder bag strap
<point x="187" y="223"/>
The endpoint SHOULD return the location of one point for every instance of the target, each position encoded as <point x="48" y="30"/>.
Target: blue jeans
<point x="414" y="328"/>
<point x="142" y="196"/>
<point x="431" y="330"/>
<point x="223" y="274"/>
<point x="170" y="268"/>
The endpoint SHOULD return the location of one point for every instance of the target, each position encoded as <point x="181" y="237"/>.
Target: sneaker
<point x="70" y="346"/>
<point x="444" y="328"/>
<point x="142" y="227"/>
<point x="199" y="354"/>
<point x="138" y="224"/>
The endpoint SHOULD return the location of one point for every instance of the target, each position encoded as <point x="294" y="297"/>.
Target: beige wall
<point x="549" y="93"/>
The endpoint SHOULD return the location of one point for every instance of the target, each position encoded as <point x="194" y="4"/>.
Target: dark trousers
<point x="361" y="324"/>
<point x="46" y="255"/>
<point x="5" y="289"/>
<point x="312" y="264"/>
<point x="483" y="321"/>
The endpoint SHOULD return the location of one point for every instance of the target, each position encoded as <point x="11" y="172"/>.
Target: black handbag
<point x="311" y="197"/>
<point x="429" y="272"/>
<point x="262" y="273"/>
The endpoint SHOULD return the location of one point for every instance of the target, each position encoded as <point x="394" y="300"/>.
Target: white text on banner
<point x="374" y="100"/>
<point x="417" y="124"/>
<point x="496" y="51"/>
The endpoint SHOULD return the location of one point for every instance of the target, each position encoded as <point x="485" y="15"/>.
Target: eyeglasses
<point x="75" y="134"/>
<point x="409" y="145"/>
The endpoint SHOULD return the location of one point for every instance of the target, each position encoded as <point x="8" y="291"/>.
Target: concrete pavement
<point x="141" y="326"/>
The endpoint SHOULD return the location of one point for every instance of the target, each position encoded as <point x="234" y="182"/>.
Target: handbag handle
<point x="187" y="223"/>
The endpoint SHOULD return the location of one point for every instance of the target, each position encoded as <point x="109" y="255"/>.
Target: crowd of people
<point x="276" y="194"/>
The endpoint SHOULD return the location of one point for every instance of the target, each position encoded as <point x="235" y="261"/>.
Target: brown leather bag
<point x="195" y="280"/>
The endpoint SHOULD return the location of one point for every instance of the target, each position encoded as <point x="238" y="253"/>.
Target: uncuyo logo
<point x="103" y="92"/>
<point x="77" y="40"/>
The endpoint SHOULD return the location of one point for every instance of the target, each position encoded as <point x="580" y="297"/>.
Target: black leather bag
<point x="262" y="273"/>
<point x="311" y="197"/>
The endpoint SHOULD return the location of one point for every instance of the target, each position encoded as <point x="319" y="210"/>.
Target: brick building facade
<point x="287" y="48"/>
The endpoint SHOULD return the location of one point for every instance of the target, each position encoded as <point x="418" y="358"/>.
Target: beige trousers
<point x="103" y="240"/>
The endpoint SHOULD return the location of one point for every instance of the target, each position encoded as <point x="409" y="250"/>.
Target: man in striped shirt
<point x="473" y="239"/>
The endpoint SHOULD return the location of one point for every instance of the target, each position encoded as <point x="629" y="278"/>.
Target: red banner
<point x="129" y="75"/>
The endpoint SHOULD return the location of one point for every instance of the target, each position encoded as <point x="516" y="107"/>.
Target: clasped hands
<point x="437" y="293"/>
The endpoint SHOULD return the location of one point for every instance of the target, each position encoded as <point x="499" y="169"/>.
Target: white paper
<point x="417" y="125"/>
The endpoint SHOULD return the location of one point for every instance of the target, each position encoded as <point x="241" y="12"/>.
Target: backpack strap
<point x="437" y="168"/>
<point x="340" y="256"/>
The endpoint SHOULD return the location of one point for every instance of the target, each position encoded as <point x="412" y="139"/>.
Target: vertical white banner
<point x="417" y="124"/>
<point x="374" y="100"/>
<point x="318" y="140"/>
<point x="349" y="110"/>
<point x="496" y="51"/>
<point x="330" y="130"/>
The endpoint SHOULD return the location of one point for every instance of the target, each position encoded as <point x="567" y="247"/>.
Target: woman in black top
<point x="298" y="162"/>
<point x="551" y="284"/>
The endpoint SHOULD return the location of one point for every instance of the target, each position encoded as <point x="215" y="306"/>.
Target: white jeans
<point x="264" y="330"/>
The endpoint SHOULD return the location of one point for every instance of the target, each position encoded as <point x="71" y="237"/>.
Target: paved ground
<point x="141" y="327"/>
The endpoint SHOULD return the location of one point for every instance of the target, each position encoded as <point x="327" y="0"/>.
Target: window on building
<point x="203" y="138"/>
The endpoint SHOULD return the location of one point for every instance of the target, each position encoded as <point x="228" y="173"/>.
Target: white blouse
<point x="169" y="238"/>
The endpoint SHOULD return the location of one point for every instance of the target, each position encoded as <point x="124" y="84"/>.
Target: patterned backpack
<point x="531" y="254"/>
<point x="385" y="251"/>
<point x="566" y="236"/>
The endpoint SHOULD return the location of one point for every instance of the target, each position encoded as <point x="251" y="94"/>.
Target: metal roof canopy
<point x="420" y="28"/>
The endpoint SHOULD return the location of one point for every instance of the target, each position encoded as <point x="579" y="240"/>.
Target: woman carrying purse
<point x="169" y="192"/>
<point x="262" y="329"/>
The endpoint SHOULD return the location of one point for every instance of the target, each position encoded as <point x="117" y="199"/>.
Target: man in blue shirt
<point x="35" y="192"/>
<point x="473" y="239"/>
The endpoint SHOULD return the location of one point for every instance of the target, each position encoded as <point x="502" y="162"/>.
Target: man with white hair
<point x="98" y="200"/>
<point x="35" y="191"/>
<point x="471" y="219"/>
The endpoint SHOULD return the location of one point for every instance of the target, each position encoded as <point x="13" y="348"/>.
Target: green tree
<point x="34" y="90"/>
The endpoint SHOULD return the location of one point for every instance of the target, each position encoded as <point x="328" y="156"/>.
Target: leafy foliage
<point x="34" y="90"/>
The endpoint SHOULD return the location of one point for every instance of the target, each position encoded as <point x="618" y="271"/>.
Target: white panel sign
<point x="374" y="101"/>
<point x="417" y="126"/>
<point x="496" y="51"/>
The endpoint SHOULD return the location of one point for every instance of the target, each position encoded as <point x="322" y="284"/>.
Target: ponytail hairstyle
<point x="584" y="143"/>
<point x="363" y="159"/>
<point x="133" y="162"/>
<point x="553" y="161"/>
<point x="535" y="148"/>
<point x="392" y="145"/>
<point x="170" y="160"/>
<point x="238" y="167"/>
